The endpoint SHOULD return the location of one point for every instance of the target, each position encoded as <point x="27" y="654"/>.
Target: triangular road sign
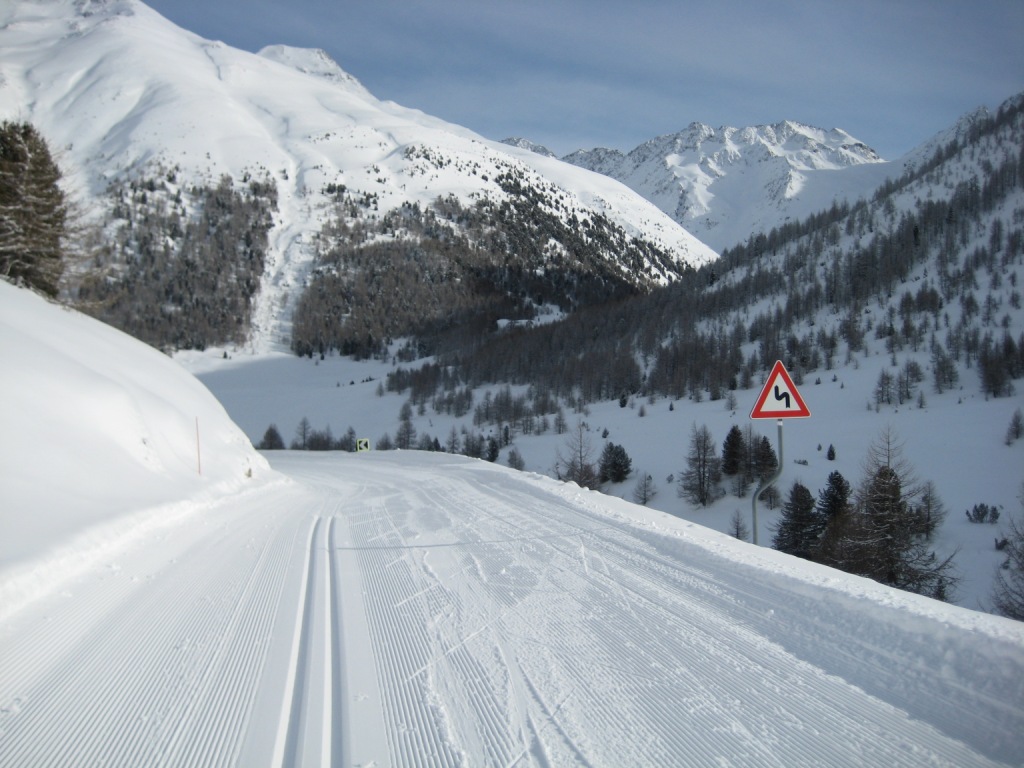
<point x="780" y="399"/>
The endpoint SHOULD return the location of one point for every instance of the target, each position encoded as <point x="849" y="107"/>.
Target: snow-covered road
<point x="429" y="610"/>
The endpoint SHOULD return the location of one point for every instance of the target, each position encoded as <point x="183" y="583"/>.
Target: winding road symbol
<point x="780" y="399"/>
<point x="782" y="395"/>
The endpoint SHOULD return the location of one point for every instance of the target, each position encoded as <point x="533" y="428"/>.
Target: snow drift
<point x="98" y="425"/>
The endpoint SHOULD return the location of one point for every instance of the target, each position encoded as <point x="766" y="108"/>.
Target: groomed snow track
<point x="425" y="610"/>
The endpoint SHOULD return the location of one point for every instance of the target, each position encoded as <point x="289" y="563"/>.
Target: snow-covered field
<point x="399" y="608"/>
<point x="956" y="441"/>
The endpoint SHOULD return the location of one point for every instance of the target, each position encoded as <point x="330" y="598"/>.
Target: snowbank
<point x="96" y="427"/>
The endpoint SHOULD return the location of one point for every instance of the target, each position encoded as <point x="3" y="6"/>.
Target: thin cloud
<point x="891" y="72"/>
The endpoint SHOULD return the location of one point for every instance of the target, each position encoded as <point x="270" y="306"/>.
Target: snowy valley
<point x="409" y="608"/>
<point x="321" y="266"/>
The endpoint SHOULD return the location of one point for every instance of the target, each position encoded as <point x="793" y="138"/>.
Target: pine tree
<point x="515" y="460"/>
<point x="33" y="211"/>
<point x="493" y="449"/>
<point x="766" y="459"/>
<point x="614" y="465"/>
<point x="272" y="440"/>
<point x="885" y="540"/>
<point x="347" y="442"/>
<point x="733" y="450"/>
<point x="801" y="525"/>
<point x="1016" y="428"/>
<point x="834" y="499"/>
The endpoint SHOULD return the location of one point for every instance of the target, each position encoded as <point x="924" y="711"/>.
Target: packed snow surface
<point x="400" y="608"/>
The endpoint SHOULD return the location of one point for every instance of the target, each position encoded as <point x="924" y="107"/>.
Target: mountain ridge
<point x="727" y="183"/>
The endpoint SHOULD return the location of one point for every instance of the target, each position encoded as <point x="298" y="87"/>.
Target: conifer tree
<point x="767" y="461"/>
<point x="33" y="211"/>
<point x="801" y="525"/>
<point x="883" y="538"/>
<point x="733" y="450"/>
<point x="834" y="499"/>
<point x="614" y="465"/>
<point x="272" y="440"/>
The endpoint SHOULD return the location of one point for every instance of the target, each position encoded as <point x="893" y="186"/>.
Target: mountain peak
<point x="722" y="184"/>
<point x="312" y="61"/>
<point x="124" y="93"/>
<point x="521" y="143"/>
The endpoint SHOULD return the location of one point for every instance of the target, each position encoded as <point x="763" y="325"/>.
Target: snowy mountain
<point x="919" y="284"/>
<point x="121" y="94"/>
<point x="421" y="609"/>
<point x="729" y="183"/>
<point x="521" y="143"/>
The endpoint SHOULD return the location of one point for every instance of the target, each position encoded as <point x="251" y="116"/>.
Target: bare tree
<point x="575" y="463"/>
<point x="302" y="434"/>
<point x="698" y="482"/>
<point x="645" y="489"/>
<point x="738" y="527"/>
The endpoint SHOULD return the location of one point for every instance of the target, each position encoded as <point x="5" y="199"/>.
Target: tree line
<point x="701" y="336"/>
<point x="447" y="272"/>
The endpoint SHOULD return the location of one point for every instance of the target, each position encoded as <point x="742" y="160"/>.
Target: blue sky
<point x="575" y="74"/>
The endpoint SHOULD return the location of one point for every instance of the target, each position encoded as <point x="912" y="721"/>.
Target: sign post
<point x="779" y="399"/>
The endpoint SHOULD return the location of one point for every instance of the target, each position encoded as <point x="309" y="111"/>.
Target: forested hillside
<point x="180" y="264"/>
<point x="446" y="273"/>
<point x="930" y="263"/>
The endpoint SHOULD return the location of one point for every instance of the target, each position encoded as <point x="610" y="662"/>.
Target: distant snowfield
<point x="400" y="608"/>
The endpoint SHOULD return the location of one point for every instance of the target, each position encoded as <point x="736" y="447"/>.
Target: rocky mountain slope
<point x="727" y="183"/>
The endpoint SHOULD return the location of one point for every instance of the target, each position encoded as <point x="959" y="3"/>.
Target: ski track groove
<point x="179" y="694"/>
<point x="502" y="635"/>
<point x="299" y="697"/>
<point x="317" y="731"/>
<point x="413" y="727"/>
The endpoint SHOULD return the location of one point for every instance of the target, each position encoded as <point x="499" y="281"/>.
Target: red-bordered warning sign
<point x="780" y="399"/>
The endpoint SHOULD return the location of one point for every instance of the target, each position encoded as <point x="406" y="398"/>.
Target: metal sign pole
<point x="765" y="484"/>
